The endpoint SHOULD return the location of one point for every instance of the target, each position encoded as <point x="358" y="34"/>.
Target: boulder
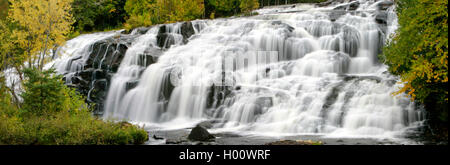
<point x="205" y="124"/>
<point x="199" y="133"/>
<point x="353" y="5"/>
<point x="187" y="30"/>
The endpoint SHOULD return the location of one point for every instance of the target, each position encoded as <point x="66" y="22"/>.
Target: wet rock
<point x="218" y="94"/>
<point x="360" y="78"/>
<point x="384" y="5"/>
<point x="131" y="84"/>
<point x="205" y="124"/>
<point x="264" y="101"/>
<point x="332" y="2"/>
<point x="262" y="104"/>
<point x="284" y="25"/>
<point x="326" y="3"/>
<point x="175" y="141"/>
<point x="97" y="93"/>
<point x="353" y="6"/>
<point x="72" y="85"/>
<point x="199" y="133"/>
<point x="295" y="142"/>
<point x="187" y="30"/>
<point x="99" y="74"/>
<point x="157" y="138"/>
<point x="336" y="15"/>
<point x="165" y="40"/>
<point x="145" y="60"/>
<point x="381" y="18"/>
<point x="103" y="61"/>
<point x="349" y="7"/>
<point x="76" y="80"/>
<point x="86" y="74"/>
<point x="113" y="60"/>
<point x="101" y="84"/>
<point x="330" y="99"/>
<point x="352" y="38"/>
<point x="140" y="30"/>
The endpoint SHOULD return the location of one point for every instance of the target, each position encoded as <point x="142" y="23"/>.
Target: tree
<point x="141" y="13"/>
<point x="224" y="7"/>
<point x="248" y="5"/>
<point x="46" y="94"/>
<point x="43" y="25"/>
<point x="110" y="14"/>
<point x="3" y="8"/>
<point x="84" y="13"/>
<point x="186" y="10"/>
<point x="418" y="53"/>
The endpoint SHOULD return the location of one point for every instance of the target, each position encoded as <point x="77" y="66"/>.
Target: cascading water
<point x="300" y="70"/>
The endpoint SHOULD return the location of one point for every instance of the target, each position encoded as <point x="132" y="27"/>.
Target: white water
<point x="296" y="80"/>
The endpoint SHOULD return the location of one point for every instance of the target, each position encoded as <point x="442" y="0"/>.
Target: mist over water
<point x="285" y="71"/>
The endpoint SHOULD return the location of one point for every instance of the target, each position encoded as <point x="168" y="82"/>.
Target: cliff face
<point x="91" y="70"/>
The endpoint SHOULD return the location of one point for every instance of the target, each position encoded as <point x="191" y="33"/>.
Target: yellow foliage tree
<point x="188" y="10"/>
<point x="43" y="25"/>
<point x="248" y="5"/>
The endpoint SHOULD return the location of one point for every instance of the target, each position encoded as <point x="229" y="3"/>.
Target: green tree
<point x="224" y="7"/>
<point x="110" y="14"/>
<point x="85" y="13"/>
<point x="46" y="94"/>
<point x="141" y="13"/>
<point x="248" y="5"/>
<point x="418" y="53"/>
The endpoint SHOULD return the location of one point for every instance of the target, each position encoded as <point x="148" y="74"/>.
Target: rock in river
<point x="199" y="133"/>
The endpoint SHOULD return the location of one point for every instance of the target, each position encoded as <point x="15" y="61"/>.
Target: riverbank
<point x="179" y="137"/>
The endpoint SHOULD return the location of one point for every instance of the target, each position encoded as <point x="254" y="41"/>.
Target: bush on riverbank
<point x="52" y="113"/>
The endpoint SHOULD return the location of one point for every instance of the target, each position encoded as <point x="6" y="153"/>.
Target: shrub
<point x="53" y="114"/>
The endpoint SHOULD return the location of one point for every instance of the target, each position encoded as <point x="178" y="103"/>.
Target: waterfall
<point x="302" y="70"/>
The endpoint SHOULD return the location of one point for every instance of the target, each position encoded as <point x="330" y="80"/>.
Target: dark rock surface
<point x="165" y="38"/>
<point x="381" y="18"/>
<point x="199" y="133"/>
<point x="105" y="57"/>
<point x="349" y="7"/>
<point x="384" y="5"/>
